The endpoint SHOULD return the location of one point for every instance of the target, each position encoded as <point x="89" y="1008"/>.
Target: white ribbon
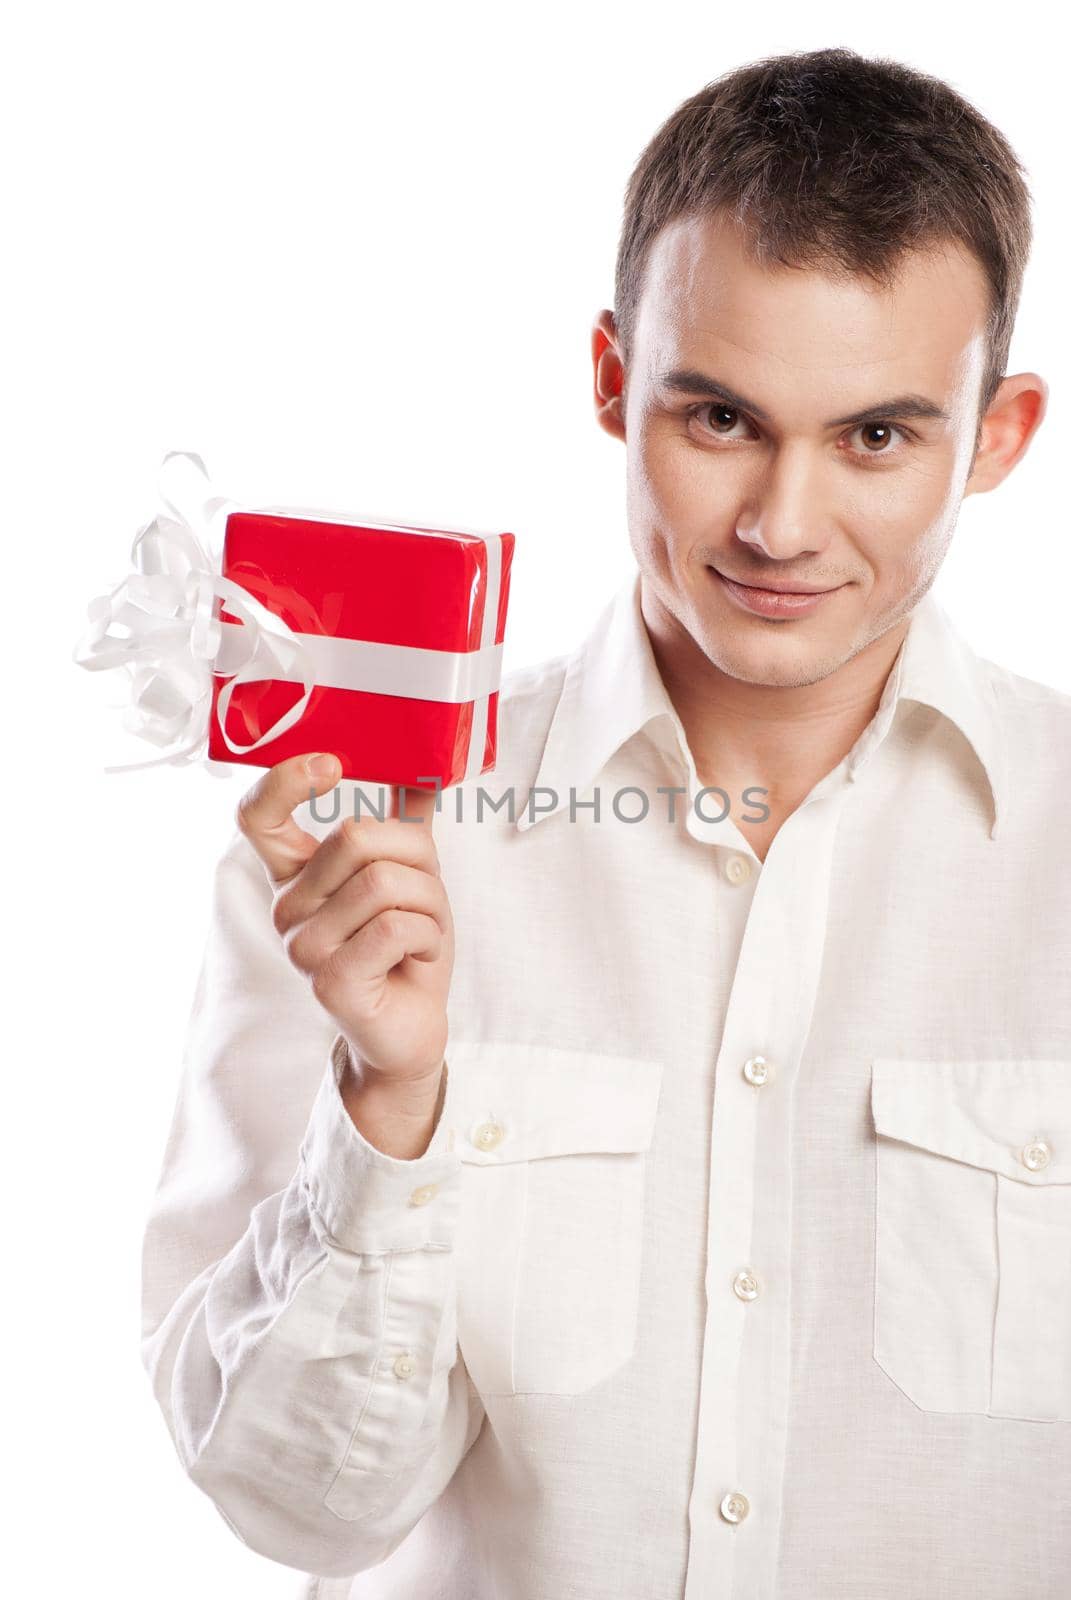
<point x="175" y="644"/>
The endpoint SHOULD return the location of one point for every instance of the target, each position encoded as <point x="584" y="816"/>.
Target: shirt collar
<point x="612" y="689"/>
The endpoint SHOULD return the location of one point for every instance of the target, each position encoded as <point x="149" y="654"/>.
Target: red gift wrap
<point x="404" y="626"/>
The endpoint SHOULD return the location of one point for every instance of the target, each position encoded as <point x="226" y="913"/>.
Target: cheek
<point x="669" y="482"/>
<point x="906" y="560"/>
<point x="929" y="553"/>
<point x="645" y="524"/>
<point x="896" y="507"/>
<point x="928" y="521"/>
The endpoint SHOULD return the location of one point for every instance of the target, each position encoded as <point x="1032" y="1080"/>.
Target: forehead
<point x="705" y="299"/>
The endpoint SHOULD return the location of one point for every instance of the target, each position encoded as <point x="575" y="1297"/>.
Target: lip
<point x="773" y="602"/>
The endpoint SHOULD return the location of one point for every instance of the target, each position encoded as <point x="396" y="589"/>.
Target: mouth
<point x="773" y="602"/>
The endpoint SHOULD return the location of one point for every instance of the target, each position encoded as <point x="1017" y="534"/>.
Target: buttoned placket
<point x="735" y="1505"/>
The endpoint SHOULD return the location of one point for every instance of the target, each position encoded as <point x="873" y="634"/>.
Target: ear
<point x="1011" y="421"/>
<point x="609" y="375"/>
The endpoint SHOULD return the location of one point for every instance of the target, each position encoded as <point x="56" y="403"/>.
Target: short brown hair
<point x="838" y="162"/>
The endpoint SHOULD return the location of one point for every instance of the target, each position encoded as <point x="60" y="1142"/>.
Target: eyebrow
<point x="687" y="380"/>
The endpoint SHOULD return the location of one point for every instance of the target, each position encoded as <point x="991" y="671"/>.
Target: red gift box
<point x="403" y="627"/>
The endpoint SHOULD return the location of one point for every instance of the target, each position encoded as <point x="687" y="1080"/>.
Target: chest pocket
<point x="972" y="1288"/>
<point x="553" y="1144"/>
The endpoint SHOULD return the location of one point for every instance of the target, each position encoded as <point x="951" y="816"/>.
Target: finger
<point x="380" y="886"/>
<point x="415" y="808"/>
<point x="350" y="846"/>
<point x="362" y="839"/>
<point x="393" y="935"/>
<point x="375" y="950"/>
<point x="264" y="812"/>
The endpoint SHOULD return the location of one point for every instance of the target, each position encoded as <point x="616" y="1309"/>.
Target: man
<point x="727" y="1253"/>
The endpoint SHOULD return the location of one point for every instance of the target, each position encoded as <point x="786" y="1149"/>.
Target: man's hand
<point x="365" y="916"/>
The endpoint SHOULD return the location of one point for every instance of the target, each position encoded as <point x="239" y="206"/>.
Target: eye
<point x="721" y="411"/>
<point x="885" y="429"/>
<point x="725" y="418"/>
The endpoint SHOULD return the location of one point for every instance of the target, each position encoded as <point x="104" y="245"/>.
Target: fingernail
<point x="321" y="767"/>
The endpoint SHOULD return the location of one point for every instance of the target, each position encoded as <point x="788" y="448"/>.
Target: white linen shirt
<point x="739" y="1265"/>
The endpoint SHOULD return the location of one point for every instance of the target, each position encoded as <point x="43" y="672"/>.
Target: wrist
<point x="414" y="1090"/>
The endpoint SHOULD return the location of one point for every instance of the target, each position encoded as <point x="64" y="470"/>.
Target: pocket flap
<point x="520" y="1102"/>
<point x="985" y="1113"/>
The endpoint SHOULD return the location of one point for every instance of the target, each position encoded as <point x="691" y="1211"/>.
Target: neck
<point x="781" y="739"/>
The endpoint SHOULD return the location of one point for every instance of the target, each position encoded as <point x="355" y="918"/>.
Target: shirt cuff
<point x="367" y="1201"/>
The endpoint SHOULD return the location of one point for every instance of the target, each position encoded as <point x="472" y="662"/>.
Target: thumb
<point x="264" y="813"/>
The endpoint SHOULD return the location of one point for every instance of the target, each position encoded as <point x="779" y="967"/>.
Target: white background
<point x="351" y="255"/>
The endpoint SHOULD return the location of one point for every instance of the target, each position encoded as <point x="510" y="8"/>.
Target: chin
<point x="774" y="660"/>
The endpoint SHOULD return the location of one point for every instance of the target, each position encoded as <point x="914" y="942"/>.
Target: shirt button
<point x="488" y="1135"/>
<point x="737" y="869"/>
<point x="745" y="1284"/>
<point x="735" y="1506"/>
<point x="421" y="1196"/>
<point x="404" y="1365"/>
<point x="1036" y="1155"/>
<point x="756" y="1069"/>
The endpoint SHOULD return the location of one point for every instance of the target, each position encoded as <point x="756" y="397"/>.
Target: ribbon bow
<point x="175" y="644"/>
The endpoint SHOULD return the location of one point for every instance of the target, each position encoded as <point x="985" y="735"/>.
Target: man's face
<point x="797" y="498"/>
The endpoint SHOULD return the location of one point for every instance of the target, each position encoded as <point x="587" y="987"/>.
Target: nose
<point x="786" y="516"/>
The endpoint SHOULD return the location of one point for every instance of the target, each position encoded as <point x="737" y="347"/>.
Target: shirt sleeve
<point x="298" y="1285"/>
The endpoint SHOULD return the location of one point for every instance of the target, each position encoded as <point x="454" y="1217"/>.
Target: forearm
<point x="311" y="1378"/>
<point x="292" y="1410"/>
